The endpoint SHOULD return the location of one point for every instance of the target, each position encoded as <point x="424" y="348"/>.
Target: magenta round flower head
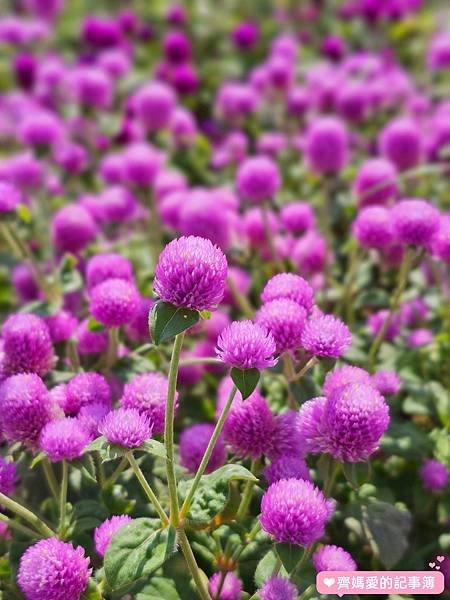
<point x="64" y="439"/>
<point x="167" y="182"/>
<point x="376" y="320"/>
<point x="147" y="393"/>
<point x="154" y="104"/>
<point x="8" y="476"/>
<point x="141" y="164"/>
<point x="185" y="79"/>
<point x="295" y="511"/>
<point x="73" y="158"/>
<point x="235" y="101"/>
<point x="376" y="182"/>
<point x="285" y="440"/>
<point x="440" y="244"/>
<point x="246" y="345"/>
<point x="108" y="266"/>
<point x="52" y="570"/>
<point x="298" y="102"/>
<point x="289" y="286"/>
<point x="326" y="336"/>
<point x="126" y="427"/>
<point x="191" y="273"/>
<point x="343" y="376"/>
<point x="84" y="389"/>
<point x="438" y="55"/>
<point x="310" y="253"/>
<point x="258" y="179"/>
<point x="137" y="329"/>
<point x="41" y="129"/>
<point x="231" y="588"/>
<point x="333" y="558"/>
<point x="176" y="47"/>
<point x="373" y="227"/>
<point x="401" y="143"/>
<point x="27" y="345"/>
<point x="249" y="427"/>
<point x="352" y="101"/>
<point x="25" y="407"/>
<point x="61" y="326"/>
<point x="297" y="217"/>
<point x="326" y="145"/>
<point x="419" y="337"/>
<point x="72" y="228"/>
<point x="117" y="204"/>
<point x="245" y="35"/>
<point x="91" y="415"/>
<point x="434" y="475"/>
<point x="104" y="532"/>
<point x="199" y="217"/>
<point x="415" y="221"/>
<point x="114" y="302"/>
<point x="285" y="320"/>
<point x="277" y="588"/>
<point x="91" y="87"/>
<point x="10" y="197"/>
<point x="90" y="342"/>
<point x="386" y="382"/>
<point x="24" y="283"/>
<point x="287" y="467"/>
<point x="193" y="443"/>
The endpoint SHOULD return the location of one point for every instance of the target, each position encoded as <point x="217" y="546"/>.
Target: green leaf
<point x="213" y="492"/>
<point x="245" y="380"/>
<point x="153" y="447"/>
<point x="94" y="325"/>
<point x="357" y="473"/>
<point x="159" y="588"/>
<point x="205" y="314"/>
<point x="86" y="465"/>
<point x="138" y="550"/>
<point x="265" y="568"/>
<point x="86" y="515"/>
<point x="167" y="320"/>
<point x="290" y="555"/>
<point x="23" y="212"/>
<point x="92" y="592"/>
<point x="109" y="451"/>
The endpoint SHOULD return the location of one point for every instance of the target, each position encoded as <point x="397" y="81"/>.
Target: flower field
<point x="224" y="298"/>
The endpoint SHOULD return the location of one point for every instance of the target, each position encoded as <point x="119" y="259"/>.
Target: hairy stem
<point x="19" y="527"/>
<point x="51" y="479"/>
<point x="26" y="514"/>
<point x="111" y="480"/>
<point x="241" y="300"/>
<point x="248" y="492"/>
<point x="63" y="498"/>
<point x="147" y="489"/>
<point x="193" y="567"/>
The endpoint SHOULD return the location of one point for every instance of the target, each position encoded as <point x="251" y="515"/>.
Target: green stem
<point x="26" y="514"/>
<point x="168" y="430"/>
<point x="304" y="558"/>
<point x="309" y="365"/>
<point x="113" y="346"/>
<point x="289" y="375"/>
<point x="352" y="270"/>
<point x="334" y="466"/>
<point x="200" y="361"/>
<point x="307" y="593"/>
<point x="270" y="241"/>
<point x="72" y="355"/>
<point x="147" y="489"/>
<point x="204" y="462"/>
<point x="51" y="479"/>
<point x="193" y="567"/>
<point x="99" y="470"/>
<point x="111" y="480"/>
<point x="405" y="269"/>
<point x="19" y="527"/>
<point x="248" y="539"/>
<point x="63" y="498"/>
<point x="248" y="492"/>
<point x="241" y="300"/>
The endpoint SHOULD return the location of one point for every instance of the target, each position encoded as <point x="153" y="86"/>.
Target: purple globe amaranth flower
<point x="373" y="227"/>
<point x="295" y="511"/>
<point x="440" y="244"/>
<point x="438" y="55"/>
<point x="91" y="87"/>
<point x="434" y="475"/>
<point x="84" y="389"/>
<point x="24" y="282"/>
<point x="386" y="382"/>
<point x="284" y="439"/>
<point x="343" y="376"/>
<point x="91" y="415"/>
<point x="193" y="443"/>
<point x="297" y="217"/>
<point x="27" y="345"/>
<point x="258" y="179"/>
<point x="376" y="182"/>
<point x="114" y="302"/>
<point x="108" y="266"/>
<point x="419" y="337"/>
<point x="326" y="145"/>
<point x="176" y="47"/>
<point x="287" y="467"/>
<point x="104" y="532"/>
<point x="231" y="588"/>
<point x="41" y="129"/>
<point x="10" y="197"/>
<point x="277" y="588"/>
<point x="61" y="326"/>
<point x="245" y="35"/>
<point x="290" y="286"/>
<point x="148" y="394"/>
<point x="236" y="101"/>
<point x="246" y="345"/>
<point x="298" y="102"/>
<point x="326" y="336"/>
<point x="126" y="427"/>
<point x="333" y="558"/>
<point x="191" y="273"/>
<point x="348" y="424"/>
<point x="285" y="320"/>
<point x="73" y="158"/>
<point x="401" y="142"/>
<point x="310" y="253"/>
<point x="415" y="221"/>
<point x="90" y="342"/>
<point x="154" y="104"/>
<point x="25" y="68"/>
<point x="375" y="322"/>
<point x="52" y="570"/>
<point x="137" y="329"/>
<point x="64" y="439"/>
<point x="141" y="164"/>
<point x="72" y="228"/>
<point x="249" y="427"/>
<point x="8" y="476"/>
<point x="413" y="312"/>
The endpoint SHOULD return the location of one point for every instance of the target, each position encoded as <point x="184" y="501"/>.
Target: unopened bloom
<point x="104" y="532"/>
<point x="333" y="558"/>
<point x="191" y="273"/>
<point x="126" y="427"/>
<point x="246" y="345"/>
<point x="326" y="336"/>
<point x="193" y="443"/>
<point x="291" y="286"/>
<point x="258" y="179"/>
<point x="285" y="320"/>
<point x="64" y="439"/>
<point x="434" y="475"/>
<point x="114" y="302"/>
<point x="277" y="588"/>
<point x="231" y="588"/>
<point x="52" y="570"/>
<point x="295" y="511"/>
<point x="415" y="221"/>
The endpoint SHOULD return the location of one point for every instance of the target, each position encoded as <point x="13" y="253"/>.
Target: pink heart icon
<point x="432" y="564"/>
<point x="440" y="558"/>
<point x="437" y="567"/>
